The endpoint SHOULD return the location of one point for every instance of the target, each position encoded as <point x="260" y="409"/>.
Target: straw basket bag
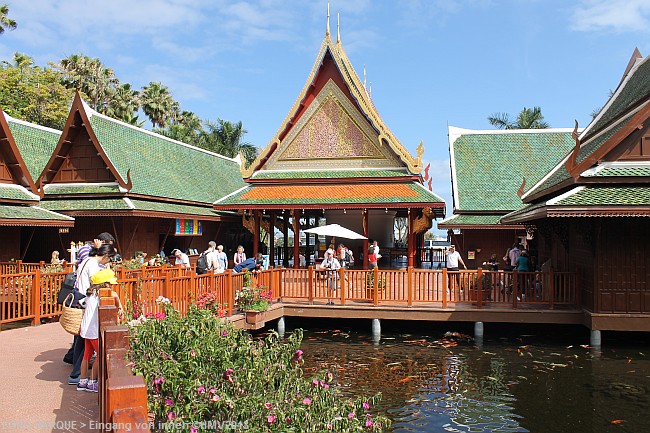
<point x="71" y="317"/>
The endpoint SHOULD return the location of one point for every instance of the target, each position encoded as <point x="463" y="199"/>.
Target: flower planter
<point x="253" y="317"/>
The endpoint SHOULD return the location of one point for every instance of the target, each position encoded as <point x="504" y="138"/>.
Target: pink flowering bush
<point x="199" y="369"/>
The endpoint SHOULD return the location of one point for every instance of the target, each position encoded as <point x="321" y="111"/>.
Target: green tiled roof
<point x="636" y="89"/>
<point x="473" y="220"/>
<point x="593" y="145"/>
<point x="621" y="171"/>
<point x="608" y="196"/>
<point x="29" y="212"/>
<point x="35" y="144"/>
<point x="489" y="168"/>
<point x="328" y="174"/>
<point x="15" y="192"/>
<point x="512" y="217"/>
<point x="85" y="204"/>
<point x="81" y="188"/>
<point x="165" y="168"/>
<point x="174" y="208"/>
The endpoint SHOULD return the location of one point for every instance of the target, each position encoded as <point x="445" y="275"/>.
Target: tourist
<point x="523" y="262"/>
<point x="98" y="258"/>
<point x="453" y="259"/>
<point x="239" y="256"/>
<point x="55" y="258"/>
<point x="494" y="262"/>
<point x="223" y="258"/>
<point x="251" y="265"/>
<point x="331" y="266"/>
<point x="182" y="259"/>
<point x="211" y="257"/>
<point x="372" y="257"/>
<point x="143" y="258"/>
<point x="90" y="327"/>
<point x="513" y="255"/>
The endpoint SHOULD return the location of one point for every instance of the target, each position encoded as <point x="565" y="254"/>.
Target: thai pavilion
<point x="333" y="157"/>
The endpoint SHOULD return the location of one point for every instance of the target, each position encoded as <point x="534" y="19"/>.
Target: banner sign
<point x="188" y="227"/>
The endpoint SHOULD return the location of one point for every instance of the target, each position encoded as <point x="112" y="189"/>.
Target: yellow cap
<point x="104" y="276"/>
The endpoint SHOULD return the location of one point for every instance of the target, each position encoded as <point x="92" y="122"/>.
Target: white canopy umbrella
<point x="336" y="231"/>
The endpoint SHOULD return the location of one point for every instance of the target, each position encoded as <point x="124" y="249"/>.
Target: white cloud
<point x="618" y="15"/>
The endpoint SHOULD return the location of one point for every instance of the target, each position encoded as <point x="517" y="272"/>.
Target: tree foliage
<point x="528" y="118"/>
<point x="6" y="23"/>
<point x="33" y="93"/>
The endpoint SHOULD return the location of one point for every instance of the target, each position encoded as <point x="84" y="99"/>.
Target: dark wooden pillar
<point x="411" y="238"/>
<point x="285" y="217"/>
<point x="296" y="238"/>
<point x="366" y="244"/>
<point x="256" y="235"/>
<point x="272" y="239"/>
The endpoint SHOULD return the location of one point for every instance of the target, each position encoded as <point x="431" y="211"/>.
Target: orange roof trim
<point x="329" y="191"/>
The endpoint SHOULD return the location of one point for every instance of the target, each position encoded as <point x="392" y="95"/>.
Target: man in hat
<point x="181" y="259"/>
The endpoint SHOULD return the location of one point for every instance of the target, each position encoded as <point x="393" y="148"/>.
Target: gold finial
<point x="420" y="150"/>
<point x="338" y="28"/>
<point x="327" y="30"/>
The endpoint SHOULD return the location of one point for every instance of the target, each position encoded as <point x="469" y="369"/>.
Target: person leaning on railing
<point x="331" y="266"/>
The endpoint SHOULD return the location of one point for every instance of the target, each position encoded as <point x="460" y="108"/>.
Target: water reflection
<point x="515" y="384"/>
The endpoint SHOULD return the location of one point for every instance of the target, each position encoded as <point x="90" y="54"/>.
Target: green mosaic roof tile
<point x="35" y="144"/>
<point x="636" y="89"/>
<point x="29" y="212"/>
<point x="87" y="204"/>
<point x="619" y="171"/>
<point x="460" y="220"/>
<point x="173" y="208"/>
<point x="490" y="167"/>
<point x="327" y="174"/>
<point x="11" y="192"/>
<point x="512" y="217"/>
<point x="82" y="188"/>
<point x="608" y="196"/>
<point x="593" y="145"/>
<point x="559" y="176"/>
<point x="164" y="168"/>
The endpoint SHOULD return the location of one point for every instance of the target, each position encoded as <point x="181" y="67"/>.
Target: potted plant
<point x="253" y="299"/>
<point x="370" y="284"/>
<point x="208" y="301"/>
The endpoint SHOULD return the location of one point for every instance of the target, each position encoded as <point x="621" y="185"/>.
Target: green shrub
<point x="200" y="370"/>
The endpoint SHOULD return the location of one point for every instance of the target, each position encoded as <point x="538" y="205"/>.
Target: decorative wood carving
<point x="520" y="192"/>
<point x="423" y="222"/>
<point x="571" y="162"/>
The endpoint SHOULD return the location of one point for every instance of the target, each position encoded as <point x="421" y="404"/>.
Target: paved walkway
<point x="34" y="392"/>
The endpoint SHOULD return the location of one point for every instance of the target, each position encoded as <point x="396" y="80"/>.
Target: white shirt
<point x="223" y="259"/>
<point x="213" y="260"/>
<point x="87" y="269"/>
<point x="452" y="259"/>
<point x="90" y="321"/>
<point x="239" y="257"/>
<point x="182" y="260"/>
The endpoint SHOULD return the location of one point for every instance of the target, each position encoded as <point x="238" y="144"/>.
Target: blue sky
<point x="431" y="63"/>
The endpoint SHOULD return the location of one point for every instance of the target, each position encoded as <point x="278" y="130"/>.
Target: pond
<point x="434" y="377"/>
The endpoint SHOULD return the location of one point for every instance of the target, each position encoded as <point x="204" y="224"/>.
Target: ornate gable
<point x="13" y="169"/>
<point x="79" y="156"/>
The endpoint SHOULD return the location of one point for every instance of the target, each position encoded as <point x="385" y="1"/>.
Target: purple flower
<point x="158" y="380"/>
<point x="224" y="333"/>
<point x="171" y="416"/>
<point x="194" y="430"/>
<point x="366" y="406"/>
<point x="369" y="422"/>
<point x="169" y="402"/>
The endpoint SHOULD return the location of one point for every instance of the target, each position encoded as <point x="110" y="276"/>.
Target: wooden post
<point x="342" y="284"/>
<point x="445" y="283"/>
<point x="296" y="238"/>
<point x="272" y="240"/>
<point x="256" y="235"/>
<point x="375" y="293"/>
<point x="285" y="255"/>
<point x="229" y="295"/>
<point x="479" y="285"/>
<point x="36" y="292"/>
<point x="310" y="286"/>
<point x="411" y="239"/>
<point x="271" y="282"/>
<point x="515" y="288"/>
<point x="409" y="279"/>
<point x="551" y="288"/>
<point x="166" y="286"/>
<point x="366" y="245"/>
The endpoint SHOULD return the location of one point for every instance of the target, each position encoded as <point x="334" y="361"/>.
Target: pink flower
<point x="212" y="391"/>
<point x="160" y="316"/>
<point x="224" y="333"/>
<point x="201" y="390"/>
<point x="287" y="420"/>
<point x="297" y="356"/>
<point x="192" y="353"/>
<point x="351" y="415"/>
<point x="169" y="402"/>
<point x="158" y="380"/>
<point x="314" y="382"/>
<point x="227" y="375"/>
<point x="366" y="406"/>
<point x="306" y="400"/>
<point x="270" y="419"/>
<point x="324" y="385"/>
<point x="216" y="398"/>
<point x="194" y="430"/>
<point x="171" y="415"/>
<point x="268" y="406"/>
<point x="369" y="422"/>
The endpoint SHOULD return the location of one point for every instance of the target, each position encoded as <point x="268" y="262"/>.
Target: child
<point x="90" y="326"/>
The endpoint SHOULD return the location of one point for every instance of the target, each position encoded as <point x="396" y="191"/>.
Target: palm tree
<point x="157" y="103"/>
<point x="226" y="138"/>
<point x="124" y="103"/>
<point x="528" y="118"/>
<point x="91" y="77"/>
<point x="5" y="21"/>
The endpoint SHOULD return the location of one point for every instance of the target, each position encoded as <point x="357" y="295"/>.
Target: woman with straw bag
<point x="99" y="258"/>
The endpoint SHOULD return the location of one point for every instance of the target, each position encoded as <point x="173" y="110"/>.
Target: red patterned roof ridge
<point x="329" y="191"/>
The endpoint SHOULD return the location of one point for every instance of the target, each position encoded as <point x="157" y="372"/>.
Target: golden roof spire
<point x="338" y="28"/>
<point x="327" y="30"/>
